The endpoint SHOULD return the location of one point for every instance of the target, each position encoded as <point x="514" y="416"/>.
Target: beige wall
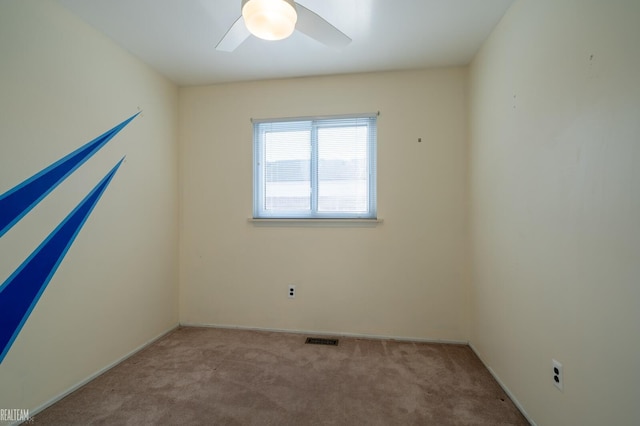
<point x="552" y="166"/>
<point x="406" y="277"/>
<point x="555" y="154"/>
<point x="61" y="85"/>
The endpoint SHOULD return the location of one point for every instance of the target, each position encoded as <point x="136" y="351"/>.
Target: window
<point x="315" y="168"/>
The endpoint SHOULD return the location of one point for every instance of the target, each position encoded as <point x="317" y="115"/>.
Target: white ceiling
<point x="178" y="37"/>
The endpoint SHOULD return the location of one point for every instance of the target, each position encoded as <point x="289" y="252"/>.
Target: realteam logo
<point x="20" y="293"/>
<point x="15" y="415"/>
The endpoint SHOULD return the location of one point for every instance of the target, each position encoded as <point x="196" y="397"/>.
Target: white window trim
<point x="261" y="217"/>
<point x="321" y="223"/>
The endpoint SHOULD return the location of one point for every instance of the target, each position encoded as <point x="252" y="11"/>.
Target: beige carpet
<point x="207" y="376"/>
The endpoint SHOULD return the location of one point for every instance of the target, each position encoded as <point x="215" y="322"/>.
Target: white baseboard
<point x="99" y="372"/>
<point x="327" y="333"/>
<point x="503" y="386"/>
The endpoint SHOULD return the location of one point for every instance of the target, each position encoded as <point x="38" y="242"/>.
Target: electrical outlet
<point x="292" y="292"/>
<point x="558" y="381"/>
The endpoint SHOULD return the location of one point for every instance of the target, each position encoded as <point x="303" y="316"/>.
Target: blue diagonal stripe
<point x="18" y="201"/>
<point x="22" y="290"/>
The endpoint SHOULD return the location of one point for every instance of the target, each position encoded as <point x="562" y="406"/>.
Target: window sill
<point x="333" y="223"/>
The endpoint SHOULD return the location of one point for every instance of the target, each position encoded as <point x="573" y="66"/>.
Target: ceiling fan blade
<point x="234" y="37"/>
<point x="316" y="27"/>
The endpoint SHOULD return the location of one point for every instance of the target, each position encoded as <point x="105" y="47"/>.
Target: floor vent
<point x="319" y="341"/>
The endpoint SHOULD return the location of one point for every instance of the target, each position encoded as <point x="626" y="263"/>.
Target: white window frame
<point x="313" y="124"/>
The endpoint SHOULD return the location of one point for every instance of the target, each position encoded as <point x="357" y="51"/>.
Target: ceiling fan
<point x="276" y="20"/>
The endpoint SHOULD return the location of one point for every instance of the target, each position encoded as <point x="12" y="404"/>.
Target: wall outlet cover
<point x="558" y="380"/>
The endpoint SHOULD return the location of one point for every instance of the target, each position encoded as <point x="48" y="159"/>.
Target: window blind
<point x="315" y="168"/>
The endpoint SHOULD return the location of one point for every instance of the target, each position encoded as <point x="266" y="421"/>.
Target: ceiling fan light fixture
<point x="270" y="19"/>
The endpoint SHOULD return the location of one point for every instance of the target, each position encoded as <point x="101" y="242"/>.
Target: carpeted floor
<point x="208" y="376"/>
